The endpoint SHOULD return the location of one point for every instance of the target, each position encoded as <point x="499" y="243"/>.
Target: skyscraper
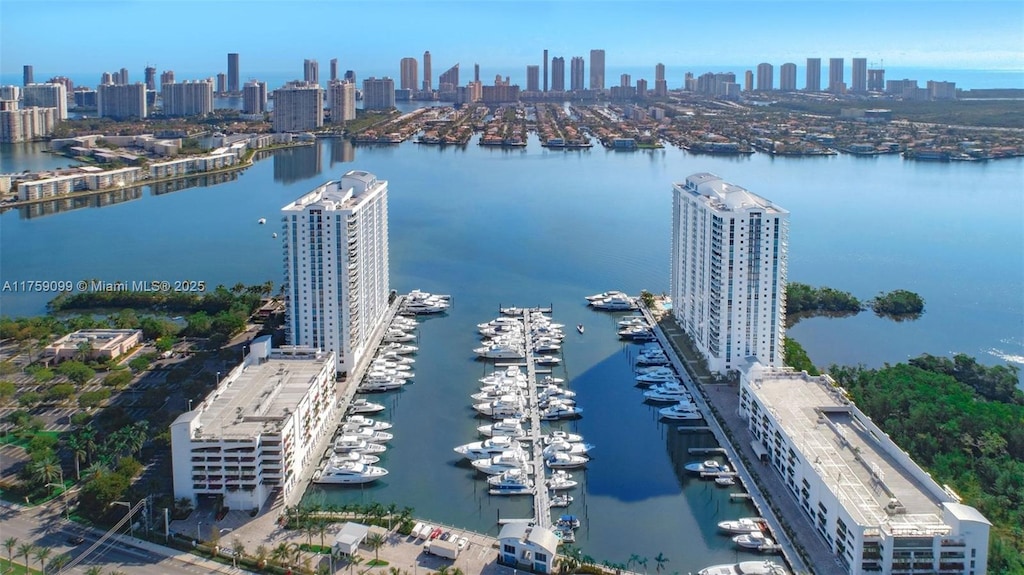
<point x="311" y="71"/>
<point x="476" y="73"/>
<point x="150" y="78"/>
<point x="337" y="266"/>
<point x="545" y="70"/>
<point x="558" y="74"/>
<point x="813" y="83"/>
<point x="765" y="77"/>
<point x="123" y="77"/>
<point x="427" y="82"/>
<point x="233" y="83"/>
<point x="378" y="93"/>
<point x="222" y="83"/>
<point x="46" y="96"/>
<point x="836" y="81"/>
<point x="532" y="78"/>
<point x="121" y="102"/>
<point x="27" y="76"/>
<point x="728" y="282"/>
<point x="334" y="70"/>
<point x="341" y="98"/>
<point x="748" y="81"/>
<point x="449" y="80"/>
<point x="787" y="77"/>
<point x="859" y="75"/>
<point x="167" y="77"/>
<point x="187" y="98"/>
<point x="597" y="69"/>
<point x="254" y="98"/>
<point x="660" y="85"/>
<point x="409" y="76"/>
<point x="876" y="80"/>
<point x="298" y="107"/>
<point x="576" y="74"/>
<point x="625" y="81"/>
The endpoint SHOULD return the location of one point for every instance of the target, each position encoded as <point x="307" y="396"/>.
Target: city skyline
<point x="957" y="35"/>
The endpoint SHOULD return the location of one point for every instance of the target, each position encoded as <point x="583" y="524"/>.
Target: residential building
<point x="222" y="83"/>
<point x="215" y="160"/>
<point x="254" y="97"/>
<point x="84" y="178"/>
<point x="84" y="97"/>
<point x="27" y="75"/>
<point x="187" y="98"/>
<point x="298" y="107"/>
<point x="813" y="83"/>
<point x="476" y="73"/>
<point x="46" y="96"/>
<point x="449" y="80"/>
<point x="597" y="69"/>
<point x="836" y="79"/>
<point x="941" y="90"/>
<point x="93" y="344"/>
<point x="167" y="77"/>
<point x="765" y="77"/>
<point x="641" y="88"/>
<point x="660" y="84"/>
<point x="859" y="75"/>
<point x="378" y="93"/>
<point x="122" y="77"/>
<point x="876" y="80"/>
<point x="409" y="78"/>
<point x="256" y="433"/>
<point x="728" y="282"/>
<point x="341" y="99"/>
<point x="234" y="85"/>
<point x="904" y="88"/>
<point x="150" y="79"/>
<point x="527" y="546"/>
<point x="558" y="74"/>
<point x="334" y="69"/>
<point x="532" y="78"/>
<point x="545" y="70"/>
<point x="787" y="77"/>
<point x="427" y="86"/>
<point x="576" y="74"/>
<point x="310" y="71"/>
<point x="121" y="102"/>
<point x="874" y="507"/>
<point x="10" y="92"/>
<point x="748" y="81"/>
<point x="337" y="265"/>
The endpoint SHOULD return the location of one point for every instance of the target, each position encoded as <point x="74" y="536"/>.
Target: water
<point x="533" y="227"/>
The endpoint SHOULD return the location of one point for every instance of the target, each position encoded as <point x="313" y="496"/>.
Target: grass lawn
<point x="8" y="568"/>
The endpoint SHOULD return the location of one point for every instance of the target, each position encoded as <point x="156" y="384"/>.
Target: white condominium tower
<point x="336" y="265"/>
<point x="729" y="271"/>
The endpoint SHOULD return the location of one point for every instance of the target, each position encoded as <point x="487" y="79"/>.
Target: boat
<point x="563" y="460"/>
<point x="547" y="359"/>
<point x="349" y="428"/>
<point x="559" y="435"/>
<point x="399" y="348"/>
<point x="353" y="456"/>
<point x="502" y="463"/>
<point x="421" y="295"/>
<point x="350" y="473"/>
<point x="511" y="427"/>
<point x="753" y="540"/>
<point x="348" y="443"/>
<point x="511" y="482"/>
<point x="632" y="321"/>
<point x="562" y="446"/>
<point x="565" y="535"/>
<point x="706" y="466"/>
<point x="725" y="481"/>
<point x="360" y="406"/>
<point x="378" y="381"/>
<point x="505" y="406"/>
<point x="500" y="351"/>
<point x="560" y="480"/>
<point x="660" y="375"/>
<point x="546" y="346"/>
<point x="637" y="333"/>
<point x="382" y="364"/>
<point x="495" y="392"/>
<point x="605" y="295"/>
<point x="667" y="393"/>
<point x="549" y="380"/>
<point x="682" y="411"/>
<point x="570" y="521"/>
<point x="652" y="359"/>
<point x="512" y="311"/>
<point x="488" y="447"/>
<point x="745" y="568"/>
<point x="614" y="303"/>
<point x="394" y="358"/>
<point x="743" y="525"/>
<point x="367" y="434"/>
<point x="424" y="307"/>
<point x="397" y="336"/>
<point x="561" y="401"/>
<point x="552" y="392"/>
<point x="562" y="500"/>
<point x="273" y="235"/>
<point x="363" y="421"/>
<point x="261" y="221"/>
<point x="579" y="327"/>
<point x="559" y="410"/>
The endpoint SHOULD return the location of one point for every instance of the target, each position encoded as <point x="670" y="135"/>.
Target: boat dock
<point x="541" y="501"/>
<point x="706" y="450"/>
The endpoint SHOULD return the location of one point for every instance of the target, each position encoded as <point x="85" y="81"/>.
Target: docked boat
<point x="425" y="307"/>
<point x="560" y="480"/>
<point x="682" y="411"/>
<point x="511" y="482"/>
<point x="368" y="435"/>
<point x="506" y="406"/>
<point x="418" y="295"/>
<point x="363" y="421"/>
<point x="399" y="348"/>
<point x="632" y="321"/>
<point x="660" y="375"/>
<point x="353" y="456"/>
<point x="510" y="427"/>
<point x="706" y="466"/>
<point x="381" y="364"/>
<point x="743" y="525"/>
<point x="546" y="346"/>
<point x="568" y="521"/>
<point x="488" y="447"/>
<point x="395" y="358"/>
<point x="349" y="443"/>
<point x="397" y="336"/>
<point x="500" y="351"/>
<point x="637" y="334"/>
<point x="547" y="360"/>
<point x="361" y="406"/>
<point x="754" y="540"/>
<point x="549" y="380"/>
<point x="652" y="359"/>
<point x="570" y="447"/>
<point x="605" y="295"/>
<point x="350" y="473"/>
<point x="563" y="460"/>
<point x="565" y="535"/>
<point x="614" y="303"/>
<point x="560" y="410"/>
<point x="552" y="392"/>
<point x="375" y="383"/>
<point x="502" y="463"/>
<point x="495" y="392"/>
<point x="725" y="480"/>
<point x="745" y="568"/>
<point x="349" y="428"/>
<point x="562" y="500"/>
<point x="559" y="435"/>
<point x="667" y="393"/>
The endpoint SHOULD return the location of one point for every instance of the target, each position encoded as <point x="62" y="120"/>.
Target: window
<point x="509" y="549"/>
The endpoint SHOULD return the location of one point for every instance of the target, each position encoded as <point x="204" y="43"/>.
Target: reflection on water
<point x="342" y="151"/>
<point x="300" y="163"/>
<point x="194" y="182"/>
<point x="58" y="205"/>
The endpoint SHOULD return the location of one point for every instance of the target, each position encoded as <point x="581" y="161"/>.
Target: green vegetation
<point x="992" y="113"/>
<point x="937" y="410"/>
<point x="805" y="299"/>
<point x="797" y="358"/>
<point x="898" y="303"/>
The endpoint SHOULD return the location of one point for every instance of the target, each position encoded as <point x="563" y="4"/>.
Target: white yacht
<point x="509" y="375"/>
<point x="560" y="480"/>
<point x="546" y="345"/>
<point x="662" y="376"/>
<point x="725" y="480"/>
<point x="395" y="358"/>
<point x="682" y="411"/>
<point x="504" y="462"/>
<point x="549" y="380"/>
<point x="743" y="525"/>
<point x="350" y="473"/>
<point x="605" y="295"/>
<point x="547" y="360"/>
<point x="637" y="333"/>
<point x="363" y="421"/>
<point x="488" y="447"/>
<point x="506" y="321"/>
<point x="425" y="306"/>
<point x="384" y="365"/>
<point x="380" y="382"/>
<point x="349" y="428"/>
<point x="557" y="410"/>
<point x="753" y="540"/>
<point x="510" y="427"/>
<point x="667" y="393"/>
<point x="558" y="435"/>
<point x="505" y="406"/>
<point x="614" y="303"/>
<point x="500" y="351"/>
<point x="553" y="391"/>
<point x="348" y="443"/>
<point x="706" y="466"/>
<point x="570" y="447"/>
<point x="368" y="435"/>
<point x="399" y="348"/>
<point x="563" y="460"/>
<point x="353" y="456"/>
<point x="397" y="336"/>
<point x="632" y="321"/>
<point x="496" y="392"/>
<point x="652" y="358"/>
<point x="745" y="568"/>
<point x="360" y="406"/>
<point x="562" y="500"/>
<point x="421" y="295"/>
<point x="511" y="482"/>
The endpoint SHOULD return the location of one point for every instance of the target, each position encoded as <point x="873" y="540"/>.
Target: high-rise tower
<point x="813" y="83"/>
<point x="427" y="82"/>
<point x="311" y="71"/>
<point x="765" y="77"/>
<point x="859" y="75"/>
<point x="545" y="70"/>
<point x="233" y="76"/>
<point x="576" y="74"/>
<point x="836" y="81"/>
<point x="409" y="76"/>
<point x="787" y="77"/>
<point x="597" y="69"/>
<point x="558" y="74"/>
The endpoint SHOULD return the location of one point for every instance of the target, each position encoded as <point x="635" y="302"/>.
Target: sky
<point x="192" y="37"/>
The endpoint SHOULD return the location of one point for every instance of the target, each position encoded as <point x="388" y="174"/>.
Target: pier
<point x="541" y="502"/>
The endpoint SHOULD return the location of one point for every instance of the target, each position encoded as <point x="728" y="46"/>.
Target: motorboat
<point x="614" y="303"/>
<point x="725" y="480"/>
<point x="549" y="380"/>
<point x="422" y="295"/>
<point x="495" y="392"/>
<point x="553" y="391"/>
<point x="511" y="482"/>
<point x="353" y="456"/>
<point x="261" y="221"/>
<point x="667" y="393"/>
<point x="425" y="307"/>
<point x="488" y="447"/>
<point x="508" y="321"/>
<point x="743" y="525"/>
<point x="393" y="357"/>
<point x="570" y="447"/>
<point x="547" y="359"/>
<point x="561" y="401"/>
<point x="605" y="295"/>
<point x="349" y="428"/>
<point x="654" y="358"/>
<point x="562" y="500"/>
<point x="546" y="346"/>
<point x="361" y="406"/>
<point x="560" y="480"/>
<point x="563" y="460"/>
<point x="512" y="311"/>
<point x="399" y="348"/>
<point x="397" y="336"/>
<point x="559" y="435"/>
<point x="379" y="384"/>
<point x="501" y="463"/>
<point x="682" y="411"/>
<point x="363" y="421"/>
<point x="745" y="568"/>
<point x="637" y="334"/>
<point x="368" y="435"/>
<point x="753" y="540"/>
<point x="511" y="374"/>
<point x="565" y="535"/>
<point x="506" y="406"/>
<point x="706" y="466"/>
<point x="648" y="379"/>
<point x="632" y="321"/>
<point x="570" y="521"/>
<point x="579" y="327"/>
<point x="349" y="443"/>
<point x="510" y="427"/>
<point x="350" y="473"/>
<point x="500" y="351"/>
<point x="385" y="365"/>
<point x="557" y="410"/>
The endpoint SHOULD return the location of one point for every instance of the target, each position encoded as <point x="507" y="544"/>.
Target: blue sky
<point x="192" y="37"/>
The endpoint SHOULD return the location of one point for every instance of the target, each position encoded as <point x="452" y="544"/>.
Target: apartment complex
<point x="597" y="69"/>
<point x="378" y="93"/>
<point x="813" y="83"/>
<point x="255" y="433"/>
<point x="187" y="98"/>
<point x="728" y="278"/>
<point x="878" y="511"/>
<point x="341" y="99"/>
<point x="18" y="125"/>
<point x="298" y="107"/>
<point x="254" y="97"/>
<point x="558" y="74"/>
<point x="233" y="75"/>
<point x="46" y="96"/>
<point x="121" y="102"/>
<point x="336" y="266"/>
<point x="409" y="77"/>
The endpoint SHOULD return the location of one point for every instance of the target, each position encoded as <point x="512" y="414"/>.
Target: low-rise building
<point x="105" y="344"/>
<point x="193" y="165"/>
<point x="24" y="125"/>
<point x="526" y="546"/>
<point x="77" y="180"/>
<point x="878" y="511"/>
<point x="254" y="434"/>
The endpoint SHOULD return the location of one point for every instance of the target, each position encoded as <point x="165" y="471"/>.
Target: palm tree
<point x="310" y="530"/>
<point x="46" y="470"/>
<point x="643" y="563"/>
<point x="59" y="562"/>
<point x="321" y="528"/>
<point x="87" y="435"/>
<point x="295" y="552"/>
<point x="375" y="542"/>
<point x="353" y="561"/>
<point x="42" y="554"/>
<point x="443" y="570"/>
<point x="239" y="550"/>
<point x="261" y="556"/>
<point x="660" y="560"/>
<point x="94" y="570"/>
<point x="392" y="507"/>
<point x="10" y="543"/>
<point x="633" y="560"/>
<point x="76" y="444"/>
<point x="280" y="554"/>
<point x="24" y="550"/>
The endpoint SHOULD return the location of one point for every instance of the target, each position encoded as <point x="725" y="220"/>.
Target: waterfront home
<point x="526" y="546"/>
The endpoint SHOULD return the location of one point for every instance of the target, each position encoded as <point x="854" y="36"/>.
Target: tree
<point x="10" y="543"/>
<point x="138" y="364"/>
<point x="660" y="560"/>
<point x="25" y="550"/>
<point x="46" y="470"/>
<point x="94" y="570"/>
<point x="76" y="371"/>
<point x="353" y="561"/>
<point x="280" y="554"/>
<point x="375" y="542"/>
<point x="321" y="528"/>
<point x="118" y="379"/>
<point x="261" y="555"/>
<point x="7" y="389"/>
<point x="238" y="550"/>
<point x="42" y="554"/>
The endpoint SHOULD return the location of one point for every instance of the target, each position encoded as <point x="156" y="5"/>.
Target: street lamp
<point x="190" y="405"/>
<point x="131" y="526"/>
<point x="198" y="525"/>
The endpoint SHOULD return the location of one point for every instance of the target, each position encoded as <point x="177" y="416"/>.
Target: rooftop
<point x="722" y="195"/>
<point x="344" y="194"/>
<point x="97" y="338"/>
<point x="828" y="430"/>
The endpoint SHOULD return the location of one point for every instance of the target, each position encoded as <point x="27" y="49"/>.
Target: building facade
<point x="728" y="282"/>
<point x="298" y="107"/>
<point x="558" y="74"/>
<point x="859" y="75"/>
<point x="813" y="82"/>
<point x="449" y="80"/>
<point x="528" y="546"/>
<point x="46" y="96"/>
<point x="341" y="99"/>
<point x="876" y="80"/>
<point x="427" y="85"/>
<point x="576" y="74"/>
<point x="532" y="78"/>
<point x="836" y="77"/>
<point x="597" y="69"/>
<point x="255" y="433"/>
<point x="121" y="102"/>
<point x="187" y="98"/>
<point x="787" y="77"/>
<point x="311" y="71"/>
<point x="17" y="125"/>
<point x="410" y="72"/>
<point x="254" y="97"/>
<point x="92" y="344"/>
<point x="877" y="510"/>
<point x="378" y="93"/>
<point x="765" y="77"/>
<point x="337" y="266"/>
<point x="234" y="86"/>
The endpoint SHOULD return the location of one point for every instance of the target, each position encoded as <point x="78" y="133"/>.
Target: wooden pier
<point x="541" y="499"/>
